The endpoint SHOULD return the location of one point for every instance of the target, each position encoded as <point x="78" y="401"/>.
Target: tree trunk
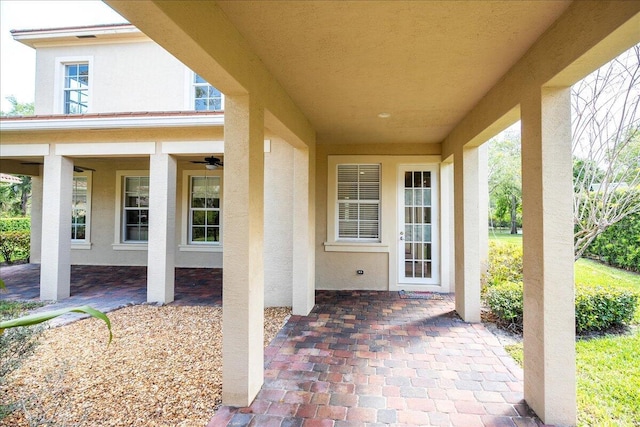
<point x="24" y="199"/>
<point x="514" y="221"/>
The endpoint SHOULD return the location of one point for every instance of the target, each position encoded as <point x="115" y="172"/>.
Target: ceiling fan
<point x="210" y="162"/>
<point x="75" y="168"/>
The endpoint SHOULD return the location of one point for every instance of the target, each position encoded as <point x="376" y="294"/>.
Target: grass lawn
<point x="504" y="236"/>
<point x="608" y="368"/>
<point x="608" y="374"/>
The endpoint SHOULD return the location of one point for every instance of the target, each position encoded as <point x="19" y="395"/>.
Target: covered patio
<point x="372" y="93"/>
<point x="108" y="288"/>
<point x="365" y="358"/>
<point x="359" y="358"/>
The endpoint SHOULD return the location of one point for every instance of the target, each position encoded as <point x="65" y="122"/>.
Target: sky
<point x="17" y="61"/>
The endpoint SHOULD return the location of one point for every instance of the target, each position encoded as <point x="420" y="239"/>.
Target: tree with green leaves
<point x="15" y="196"/>
<point x="18" y="109"/>
<point x="505" y="179"/>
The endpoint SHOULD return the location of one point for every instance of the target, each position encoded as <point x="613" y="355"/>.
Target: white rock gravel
<point x="163" y="368"/>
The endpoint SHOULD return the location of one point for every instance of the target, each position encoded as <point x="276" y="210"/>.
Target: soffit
<point x="425" y="62"/>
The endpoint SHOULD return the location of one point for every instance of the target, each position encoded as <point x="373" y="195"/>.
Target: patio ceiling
<point x="426" y="63"/>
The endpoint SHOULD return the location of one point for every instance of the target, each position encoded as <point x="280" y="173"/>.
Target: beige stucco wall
<point x="136" y="76"/>
<point x="278" y="219"/>
<point x="278" y="224"/>
<point x="337" y="270"/>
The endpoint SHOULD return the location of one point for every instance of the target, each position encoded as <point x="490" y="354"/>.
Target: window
<point x="76" y="88"/>
<point x="80" y="207"/>
<point x="135" y="213"/>
<point x="359" y="201"/>
<point x="204" y="210"/>
<point x="206" y="97"/>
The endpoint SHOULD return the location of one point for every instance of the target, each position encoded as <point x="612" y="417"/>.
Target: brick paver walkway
<point x="368" y="359"/>
<point x="359" y="359"/>
<point x="107" y="288"/>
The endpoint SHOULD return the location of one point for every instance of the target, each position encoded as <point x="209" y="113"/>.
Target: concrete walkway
<point x="368" y="359"/>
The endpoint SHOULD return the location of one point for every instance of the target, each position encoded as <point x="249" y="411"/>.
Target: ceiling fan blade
<point x="31" y="163"/>
<point x="83" y="168"/>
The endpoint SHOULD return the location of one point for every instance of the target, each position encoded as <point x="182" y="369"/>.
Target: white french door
<point x="418" y="246"/>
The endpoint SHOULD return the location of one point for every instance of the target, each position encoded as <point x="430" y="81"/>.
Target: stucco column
<point x="467" y="202"/>
<point x="549" y="313"/>
<point x="483" y="205"/>
<point x="162" y="228"/>
<point x="55" y="268"/>
<point x="36" y="218"/>
<point x="303" y="230"/>
<point x="243" y="266"/>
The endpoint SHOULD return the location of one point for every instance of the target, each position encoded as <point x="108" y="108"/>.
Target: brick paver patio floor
<point x="359" y="359"/>
<point x="368" y="359"/>
<point x="108" y="288"/>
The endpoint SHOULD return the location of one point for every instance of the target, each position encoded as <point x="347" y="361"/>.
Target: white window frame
<point x="333" y="243"/>
<point x="185" y="241"/>
<point x="119" y="242"/>
<point x="191" y="85"/>
<point x="59" y="86"/>
<point x="358" y="202"/>
<point x="86" y="242"/>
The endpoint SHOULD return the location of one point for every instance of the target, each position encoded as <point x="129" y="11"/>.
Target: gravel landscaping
<point x="163" y="368"/>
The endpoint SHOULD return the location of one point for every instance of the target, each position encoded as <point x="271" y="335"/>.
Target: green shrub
<point x="619" y="245"/>
<point x="505" y="264"/>
<point x="15" y="224"/>
<point x="15" y="245"/>
<point x="505" y="301"/>
<point x="597" y="308"/>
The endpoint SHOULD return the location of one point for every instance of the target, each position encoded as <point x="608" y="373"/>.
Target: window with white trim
<point x="80" y="208"/>
<point x="205" y="96"/>
<point x="358" y="202"/>
<point x="76" y="88"/>
<point x="204" y="210"/>
<point x="135" y="209"/>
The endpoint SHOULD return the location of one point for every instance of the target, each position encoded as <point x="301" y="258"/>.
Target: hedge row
<point x="15" y="224"/>
<point x="15" y="245"/>
<point x="619" y="245"/>
<point x="597" y="308"/>
<point x="505" y="264"/>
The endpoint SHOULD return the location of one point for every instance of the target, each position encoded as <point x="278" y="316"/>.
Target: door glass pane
<point x="417" y="233"/>
<point x="408" y="215"/>
<point x="427" y="215"/>
<point x="426" y="179"/>
<point x="427" y="197"/>
<point x="418" y="198"/>
<point x="407" y="179"/>
<point x="408" y="197"/>
<point x="426" y="233"/>
<point x="408" y="268"/>
<point x="417" y="179"/>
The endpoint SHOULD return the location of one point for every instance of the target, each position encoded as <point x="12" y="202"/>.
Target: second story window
<point x="76" y="88"/>
<point x="206" y="97"/>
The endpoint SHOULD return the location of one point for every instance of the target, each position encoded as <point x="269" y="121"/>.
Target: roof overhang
<point x="89" y="34"/>
<point x="100" y="122"/>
